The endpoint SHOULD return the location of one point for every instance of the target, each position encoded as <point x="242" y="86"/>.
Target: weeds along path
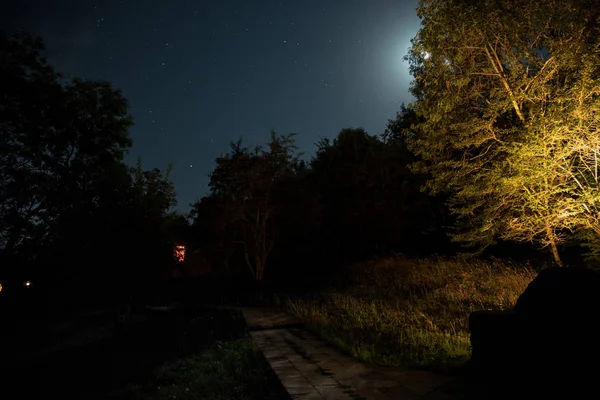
<point x="309" y="368"/>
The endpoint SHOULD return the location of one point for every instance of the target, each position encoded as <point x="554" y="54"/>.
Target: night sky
<point x="199" y="74"/>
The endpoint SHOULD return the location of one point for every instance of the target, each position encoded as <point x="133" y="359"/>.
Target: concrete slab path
<point x="311" y="369"/>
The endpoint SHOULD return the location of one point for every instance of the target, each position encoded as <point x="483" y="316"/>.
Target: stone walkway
<point x="310" y="369"/>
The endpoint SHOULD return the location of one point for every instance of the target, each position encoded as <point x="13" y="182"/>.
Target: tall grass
<point x="399" y="311"/>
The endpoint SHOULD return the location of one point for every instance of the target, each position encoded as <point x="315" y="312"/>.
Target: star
<point x="228" y="85"/>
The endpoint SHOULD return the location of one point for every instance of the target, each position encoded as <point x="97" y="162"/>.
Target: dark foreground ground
<point x="186" y="352"/>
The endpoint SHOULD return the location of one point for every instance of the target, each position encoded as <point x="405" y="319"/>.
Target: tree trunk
<point x="557" y="259"/>
<point x="553" y="246"/>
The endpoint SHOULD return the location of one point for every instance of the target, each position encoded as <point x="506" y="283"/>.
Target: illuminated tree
<point x="552" y="176"/>
<point x="508" y="92"/>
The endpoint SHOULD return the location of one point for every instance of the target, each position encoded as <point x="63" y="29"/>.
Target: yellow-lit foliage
<point x="508" y="94"/>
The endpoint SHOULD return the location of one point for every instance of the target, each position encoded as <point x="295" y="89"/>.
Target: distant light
<point x="179" y="253"/>
<point x="0" y="287"/>
<point x="27" y="283"/>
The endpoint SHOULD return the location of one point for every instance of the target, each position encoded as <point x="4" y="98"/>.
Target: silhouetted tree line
<point x="270" y="210"/>
<point x="72" y="214"/>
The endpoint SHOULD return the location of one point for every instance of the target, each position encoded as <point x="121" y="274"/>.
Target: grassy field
<point x="410" y="312"/>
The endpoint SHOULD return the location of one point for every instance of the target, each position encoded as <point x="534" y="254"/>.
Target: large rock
<point x="551" y="333"/>
<point x="561" y="294"/>
<point x="495" y="336"/>
<point x="560" y="310"/>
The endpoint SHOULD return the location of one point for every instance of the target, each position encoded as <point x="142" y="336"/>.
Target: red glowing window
<point x="179" y="253"/>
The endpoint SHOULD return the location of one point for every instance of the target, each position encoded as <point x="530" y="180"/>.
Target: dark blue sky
<point x="199" y="74"/>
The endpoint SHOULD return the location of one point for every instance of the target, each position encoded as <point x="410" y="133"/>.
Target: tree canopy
<point x="66" y="194"/>
<point x="246" y="184"/>
<point x="508" y="96"/>
<point x="356" y="198"/>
